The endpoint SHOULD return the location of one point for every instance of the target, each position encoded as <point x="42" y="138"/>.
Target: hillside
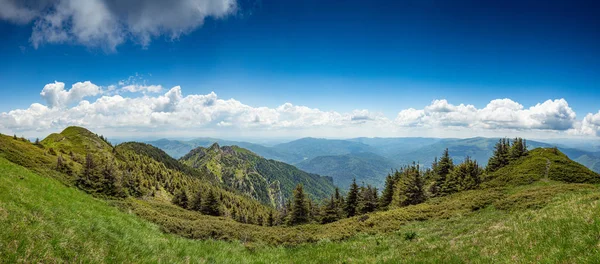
<point x="268" y="181"/>
<point x="80" y="158"/>
<point x="49" y="222"/>
<point x="366" y="167"/>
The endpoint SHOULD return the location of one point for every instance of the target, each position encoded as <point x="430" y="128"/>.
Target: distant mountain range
<point x="369" y="160"/>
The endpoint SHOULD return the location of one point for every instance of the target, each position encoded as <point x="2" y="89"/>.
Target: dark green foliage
<point x="15" y="136"/>
<point x="409" y="187"/>
<point x="210" y="204"/>
<point x="465" y="176"/>
<point x="330" y="211"/>
<point x="270" y="219"/>
<point x="410" y="235"/>
<point x="368" y="199"/>
<point x="517" y="149"/>
<point x="181" y="199"/>
<point x="504" y="153"/>
<point x="352" y="200"/>
<point x="196" y="202"/>
<point x="441" y="169"/>
<point x="388" y="192"/>
<point x="299" y="213"/>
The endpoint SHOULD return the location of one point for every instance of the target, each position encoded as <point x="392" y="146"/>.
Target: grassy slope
<point x="42" y="220"/>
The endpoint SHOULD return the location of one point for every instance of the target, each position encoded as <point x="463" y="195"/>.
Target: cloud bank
<point x="142" y="110"/>
<point x="109" y="23"/>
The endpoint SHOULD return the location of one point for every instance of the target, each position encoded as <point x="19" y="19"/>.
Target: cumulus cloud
<point x="498" y="114"/>
<point x="108" y="23"/>
<point x="589" y="126"/>
<point x="172" y="112"/>
<point x="56" y="95"/>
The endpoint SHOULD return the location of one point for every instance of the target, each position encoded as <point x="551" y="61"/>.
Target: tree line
<point x="410" y="185"/>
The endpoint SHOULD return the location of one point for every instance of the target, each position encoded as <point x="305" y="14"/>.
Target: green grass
<point x="42" y="220"/>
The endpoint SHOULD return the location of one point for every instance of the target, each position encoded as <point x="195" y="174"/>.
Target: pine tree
<point x="368" y="199"/>
<point x="299" y="210"/>
<point x="330" y="211"/>
<point x="409" y="188"/>
<point x="181" y="199"/>
<point x="441" y="169"/>
<point x="518" y="149"/>
<point x="352" y="200"/>
<point x="465" y="176"/>
<point x="37" y="141"/>
<point x="270" y="219"/>
<point x="210" y="205"/>
<point x="500" y="156"/>
<point x="15" y="137"/>
<point x="388" y="192"/>
<point x="196" y="203"/>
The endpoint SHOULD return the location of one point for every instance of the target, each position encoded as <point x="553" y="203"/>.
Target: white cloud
<point x="553" y="115"/>
<point x="173" y="113"/>
<point x="590" y="125"/>
<point x="56" y="95"/>
<point x="108" y="23"/>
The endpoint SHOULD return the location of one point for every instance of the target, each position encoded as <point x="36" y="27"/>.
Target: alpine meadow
<point x="243" y="131"/>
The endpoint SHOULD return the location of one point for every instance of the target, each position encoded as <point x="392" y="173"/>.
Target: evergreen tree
<point x="388" y="192"/>
<point x="409" y="188"/>
<point x="37" y="141"/>
<point x="210" y="205"/>
<point x="368" y="199"/>
<point x="113" y="184"/>
<point x="196" y="203"/>
<point x="500" y="157"/>
<point x="330" y="211"/>
<point x="465" y="176"/>
<point x="441" y="169"/>
<point x="352" y="200"/>
<point x="90" y="179"/>
<point x="299" y="210"/>
<point x="518" y="149"/>
<point x="270" y="219"/>
<point x="15" y="136"/>
<point x="181" y="199"/>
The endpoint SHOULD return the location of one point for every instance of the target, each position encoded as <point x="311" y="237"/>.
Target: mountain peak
<point x="215" y="146"/>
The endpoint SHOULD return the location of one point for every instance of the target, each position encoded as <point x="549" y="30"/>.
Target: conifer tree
<point x="210" y="205"/>
<point x="270" y="219"/>
<point x="15" y="136"/>
<point x="196" y="203"/>
<point x="441" y="169"/>
<point x="181" y="199"/>
<point x="330" y="211"/>
<point x="409" y="188"/>
<point x="352" y="200"/>
<point x="388" y="192"/>
<point x="465" y="176"/>
<point x="500" y="156"/>
<point x="299" y="210"/>
<point x="518" y="149"/>
<point x="368" y="199"/>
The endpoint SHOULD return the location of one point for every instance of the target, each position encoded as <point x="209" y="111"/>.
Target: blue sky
<point x="384" y="56"/>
